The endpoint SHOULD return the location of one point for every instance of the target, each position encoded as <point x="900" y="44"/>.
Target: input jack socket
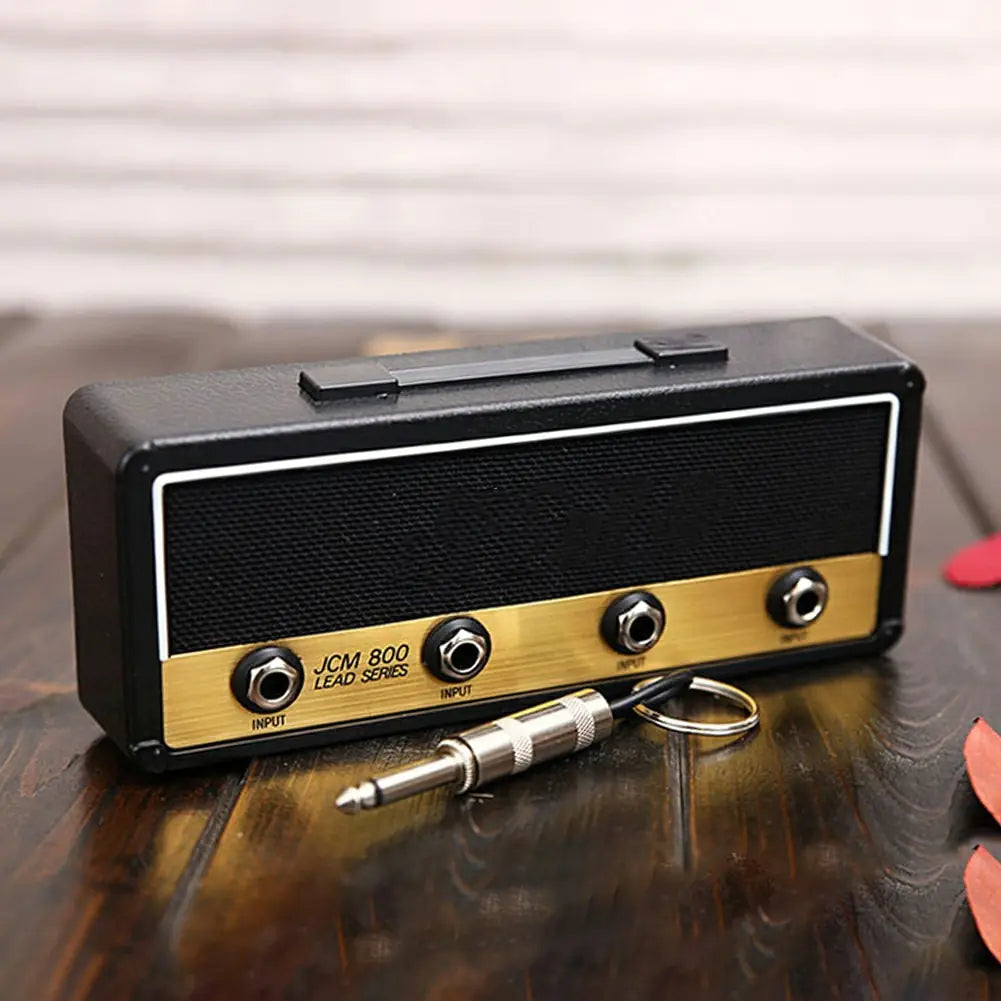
<point x="268" y="680"/>
<point x="457" y="649"/>
<point x="798" y="598"/>
<point x="634" y="623"/>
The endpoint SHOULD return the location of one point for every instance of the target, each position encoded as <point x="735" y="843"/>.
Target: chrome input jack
<point x="268" y="680"/>
<point x="457" y="649"/>
<point x="798" y="598"/>
<point x="633" y="623"/>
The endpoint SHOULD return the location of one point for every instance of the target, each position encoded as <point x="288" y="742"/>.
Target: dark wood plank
<point x="962" y="362"/>
<point x="275" y="341"/>
<point x="43" y="361"/>
<point x="13" y="320"/>
<point x="92" y="853"/>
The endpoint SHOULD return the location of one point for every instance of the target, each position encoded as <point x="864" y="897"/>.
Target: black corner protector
<point x="892" y="628"/>
<point x="150" y="754"/>
<point x="914" y="379"/>
<point x="335" y="381"/>
<point x="682" y="349"/>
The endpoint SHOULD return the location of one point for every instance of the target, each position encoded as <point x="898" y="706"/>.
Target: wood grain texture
<point x="624" y="291"/>
<point x="42" y="362"/>
<point x="853" y="23"/>
<point x="822" y="857"/>
<point x="966" y="407"/>
<point x="286" y="152"/>
<point x="661" y="161"/>
<point x="92" y="855"/>
<point x="543" y="79"/>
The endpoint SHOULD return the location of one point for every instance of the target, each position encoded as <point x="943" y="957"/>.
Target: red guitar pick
<point x="976" y="566"/>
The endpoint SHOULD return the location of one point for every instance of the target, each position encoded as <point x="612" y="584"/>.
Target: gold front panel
<point x="361" y="674"/>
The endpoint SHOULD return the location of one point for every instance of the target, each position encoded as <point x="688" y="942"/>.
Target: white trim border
<point x="345" y="458"/>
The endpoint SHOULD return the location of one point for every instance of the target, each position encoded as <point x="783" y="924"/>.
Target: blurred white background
<point x="474" y="162"/>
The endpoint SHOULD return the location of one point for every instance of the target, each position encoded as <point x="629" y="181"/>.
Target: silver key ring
<point x="681" y="725"/>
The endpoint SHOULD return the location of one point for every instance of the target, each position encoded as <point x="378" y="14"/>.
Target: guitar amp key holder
<point x="289" y="556"/>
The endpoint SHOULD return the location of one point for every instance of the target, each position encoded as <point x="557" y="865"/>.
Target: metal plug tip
<point x="364" y="796"/>
<point x="349" y="801"/>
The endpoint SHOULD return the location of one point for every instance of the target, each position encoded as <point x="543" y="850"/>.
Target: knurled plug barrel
<point x="492" y="751"/>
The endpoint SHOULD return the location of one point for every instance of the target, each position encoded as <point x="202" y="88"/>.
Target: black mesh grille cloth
<point x="259" y="557"/>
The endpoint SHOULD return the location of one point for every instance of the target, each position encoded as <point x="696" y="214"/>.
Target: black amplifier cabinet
<point x="287" y="556"/>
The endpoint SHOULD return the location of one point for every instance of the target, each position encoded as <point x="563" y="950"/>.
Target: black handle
<point x="371" y="377"/>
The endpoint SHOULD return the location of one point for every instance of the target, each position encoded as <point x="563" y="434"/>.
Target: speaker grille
<point x="280" y="554"/>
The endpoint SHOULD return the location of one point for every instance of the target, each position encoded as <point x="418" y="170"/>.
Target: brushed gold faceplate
<point x="361" y="674"/>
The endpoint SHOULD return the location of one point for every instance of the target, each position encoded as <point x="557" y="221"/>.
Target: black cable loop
<point x="665" y="688"/>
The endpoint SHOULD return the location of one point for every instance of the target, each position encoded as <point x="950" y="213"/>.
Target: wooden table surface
<point x="821" y="858"/>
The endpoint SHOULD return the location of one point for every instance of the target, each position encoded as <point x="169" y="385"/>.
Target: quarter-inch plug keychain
<point x="566" y="725"/>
